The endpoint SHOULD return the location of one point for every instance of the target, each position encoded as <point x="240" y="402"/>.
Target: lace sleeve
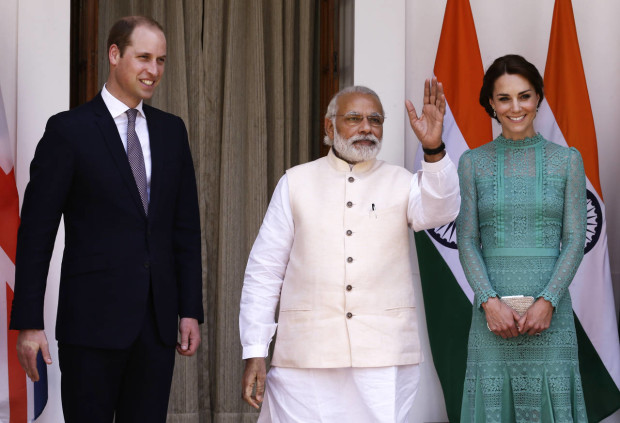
<point x="573" y="231"/>
<point x="468" y="233"/>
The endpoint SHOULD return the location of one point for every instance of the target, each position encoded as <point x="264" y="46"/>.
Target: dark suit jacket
<point x="113" y="252"/>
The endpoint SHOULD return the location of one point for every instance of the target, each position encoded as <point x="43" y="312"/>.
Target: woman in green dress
<point x="521" y="231"/>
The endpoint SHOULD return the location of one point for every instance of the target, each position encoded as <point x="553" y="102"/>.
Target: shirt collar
<point x="117" y="107"/>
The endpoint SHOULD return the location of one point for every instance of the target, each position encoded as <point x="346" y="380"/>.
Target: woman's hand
<point x="537" y="318"/>
<point x="501" y="319"/>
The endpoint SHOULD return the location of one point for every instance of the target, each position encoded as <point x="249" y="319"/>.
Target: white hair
<point x="352" y="153"/>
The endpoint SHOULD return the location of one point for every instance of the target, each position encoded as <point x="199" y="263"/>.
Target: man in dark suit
<point x="121" y="175"/>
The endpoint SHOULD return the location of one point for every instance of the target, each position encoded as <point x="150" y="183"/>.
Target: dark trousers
<point x="130" y="385"/>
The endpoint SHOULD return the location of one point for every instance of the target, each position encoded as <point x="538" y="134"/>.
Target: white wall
<point x="34" y="76"/>
<point x="522" y="27"/>
<point x="379" y="63"/>
<point x="8" y="67"/>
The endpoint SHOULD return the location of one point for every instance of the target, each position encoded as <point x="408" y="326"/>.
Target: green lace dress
<point x="521" y="231"/>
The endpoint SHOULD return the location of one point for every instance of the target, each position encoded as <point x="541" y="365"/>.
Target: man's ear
<point x="114" y="54"/>
<point x="329" y="128"/>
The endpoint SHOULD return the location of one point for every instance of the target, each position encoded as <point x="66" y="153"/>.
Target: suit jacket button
<point x="147" y="265"/>
<point x="349" y="259"/>
<point x="349" y="204"/>
<point x="349" y="315"/>
<point x="349" y="287"/>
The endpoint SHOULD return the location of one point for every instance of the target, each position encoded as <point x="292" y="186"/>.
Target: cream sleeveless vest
<point x="347" y="299"/>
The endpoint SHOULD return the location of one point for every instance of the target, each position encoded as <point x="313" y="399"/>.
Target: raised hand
<point x="428" y="127"/>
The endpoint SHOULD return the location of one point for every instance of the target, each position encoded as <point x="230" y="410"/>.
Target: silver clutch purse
<point x="518" y="303"/>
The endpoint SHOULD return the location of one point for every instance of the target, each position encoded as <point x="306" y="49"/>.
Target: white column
<point x="379" y="63"/>
<point x="42" y="82"/>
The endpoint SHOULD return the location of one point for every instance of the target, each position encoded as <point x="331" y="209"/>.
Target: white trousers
<point x="341" y="395"/>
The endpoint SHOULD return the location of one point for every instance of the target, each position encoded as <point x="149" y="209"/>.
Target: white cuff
<point x="252" y="351"/>
<point x="437" y="166"/>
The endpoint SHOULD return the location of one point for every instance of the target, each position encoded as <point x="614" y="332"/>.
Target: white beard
<point x="353" y="153"/>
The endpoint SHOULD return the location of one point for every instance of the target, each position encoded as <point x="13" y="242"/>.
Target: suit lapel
<point x="113" y="141"/>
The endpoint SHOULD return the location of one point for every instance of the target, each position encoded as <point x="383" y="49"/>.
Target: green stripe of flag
<point x="601" y="393"/>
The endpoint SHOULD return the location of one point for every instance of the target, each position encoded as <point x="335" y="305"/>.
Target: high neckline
<point x="525" y="142"/>
<point x="343" y="166"/>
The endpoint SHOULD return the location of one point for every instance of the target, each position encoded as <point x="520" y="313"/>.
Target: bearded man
<point x="333" y="250"/>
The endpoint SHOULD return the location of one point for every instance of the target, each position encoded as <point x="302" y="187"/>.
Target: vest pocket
<point x="401" y="308"/>
<point x="293" y="308"/>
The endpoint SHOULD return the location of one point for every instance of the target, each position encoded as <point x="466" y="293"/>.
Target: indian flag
<point x="447" y="295"/>
<point x="21" y="400"/>
<point x="565" y="117"/>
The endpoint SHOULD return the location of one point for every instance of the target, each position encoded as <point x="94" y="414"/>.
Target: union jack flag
<point x="21" y="400"/>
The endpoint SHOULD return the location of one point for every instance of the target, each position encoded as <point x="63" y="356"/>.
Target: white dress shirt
<point x="118" y="111"/>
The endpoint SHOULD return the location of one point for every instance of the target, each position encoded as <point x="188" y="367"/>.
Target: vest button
<point x="349" y="259"/>
<point x="349" y="232"/>
<point x="349" y="204"/>
<point x="349" y="287"/>
<point x="349" y="315"/>
<point x="351" y="179"/>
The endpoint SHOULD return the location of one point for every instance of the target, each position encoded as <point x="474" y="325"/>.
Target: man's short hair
<point x="120" y="33"/>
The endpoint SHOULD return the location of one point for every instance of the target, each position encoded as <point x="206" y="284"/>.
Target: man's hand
<point x="537" y="318"/>
<point x="29" y="342"/>
<point x="190" y="336"/>
<point x="501" y="319"/>
<point x="255" y="373"/>
<point x="429" y="125"/>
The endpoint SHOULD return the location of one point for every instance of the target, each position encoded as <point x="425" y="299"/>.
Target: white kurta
<point x="288" y="389"/>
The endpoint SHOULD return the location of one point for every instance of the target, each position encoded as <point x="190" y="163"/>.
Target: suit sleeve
<point x="186" y="238"/>
<point x="51" y="173"/>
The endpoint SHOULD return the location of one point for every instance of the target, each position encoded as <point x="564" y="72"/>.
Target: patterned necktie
<point x="136" y="159"/>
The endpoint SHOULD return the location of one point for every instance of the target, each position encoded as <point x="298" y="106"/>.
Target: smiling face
<point x="355" y="142"/>
<point x="135" y="74"/>
<point x="515" y="101"/>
